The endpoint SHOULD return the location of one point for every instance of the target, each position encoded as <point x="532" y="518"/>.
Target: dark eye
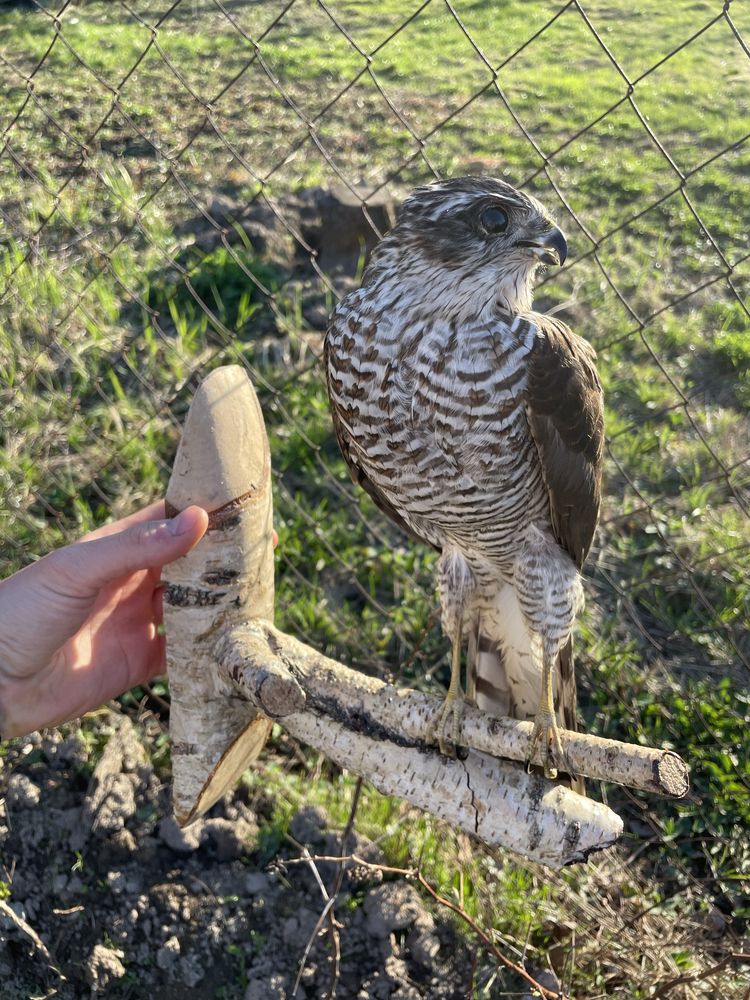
<point x="494" y="220"/>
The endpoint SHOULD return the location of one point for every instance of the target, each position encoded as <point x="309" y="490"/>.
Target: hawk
<point x="477" y="426"/>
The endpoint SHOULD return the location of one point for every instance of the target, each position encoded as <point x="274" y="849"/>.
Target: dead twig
<point x="415" y="874"/>
<point x="325" y="912"/>
<point x="30" y="933"/>
<point x="328" y="912"/>
<point x="692" y="977"/>
<point x="503" y="959"/>
<point x="336" y="941"/>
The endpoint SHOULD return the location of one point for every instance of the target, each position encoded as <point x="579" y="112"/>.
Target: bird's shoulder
<point x="564" y="385"/>
<point x="555" y="340"/>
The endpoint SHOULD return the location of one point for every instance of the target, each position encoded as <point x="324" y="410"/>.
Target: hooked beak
<point x="551" y="247"/>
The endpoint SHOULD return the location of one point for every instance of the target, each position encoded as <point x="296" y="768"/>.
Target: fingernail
<point x="180" y="524"/>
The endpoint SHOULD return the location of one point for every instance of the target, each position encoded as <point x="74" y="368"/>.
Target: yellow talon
<point x="448" y="720"/>
<point x="546" y="728"/>
<point x="452" y="708"/>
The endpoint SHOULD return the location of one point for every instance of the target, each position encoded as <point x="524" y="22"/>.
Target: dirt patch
<point x="127" y="904"/>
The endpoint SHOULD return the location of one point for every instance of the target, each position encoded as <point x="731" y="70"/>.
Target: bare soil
<point x="128" y="905"/>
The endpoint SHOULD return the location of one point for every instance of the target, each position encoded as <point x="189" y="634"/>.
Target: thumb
<point x="147" y="545"/>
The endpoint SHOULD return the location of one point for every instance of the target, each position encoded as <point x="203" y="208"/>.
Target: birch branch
<point x="223" y="464"/>
<point x="494" y="800"/>
<point x="277" y="673"/>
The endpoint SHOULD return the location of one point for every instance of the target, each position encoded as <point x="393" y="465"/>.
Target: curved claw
<point x="448" y="716"/>
<point x="554" y="756"/>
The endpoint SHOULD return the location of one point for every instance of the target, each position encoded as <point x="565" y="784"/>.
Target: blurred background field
<point x="189" y="184"/>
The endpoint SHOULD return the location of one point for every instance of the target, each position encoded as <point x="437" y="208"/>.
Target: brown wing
<point x="565" y="409"/>
<point x="566" y="415"/>
<point x="359" y="476"/>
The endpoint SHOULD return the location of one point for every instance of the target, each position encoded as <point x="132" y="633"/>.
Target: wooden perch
<point x="263" y="663"/>
<point x="356" y="721"/>
<point x="230" y="673"/>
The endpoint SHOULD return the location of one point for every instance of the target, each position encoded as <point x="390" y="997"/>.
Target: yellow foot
<point x="553" y="755"/>
<point x="445" y="728"/>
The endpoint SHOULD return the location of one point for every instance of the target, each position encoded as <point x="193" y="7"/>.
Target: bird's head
<point x="470" y="243"/>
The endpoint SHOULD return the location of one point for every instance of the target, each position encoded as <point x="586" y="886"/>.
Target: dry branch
<point x="264" y="661"/>
<point x="7" y="911"/>
<point x="415" y="873"/>
<point x="357" y="722"/>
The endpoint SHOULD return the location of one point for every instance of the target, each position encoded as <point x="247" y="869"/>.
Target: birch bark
<point x="223" y="464"/>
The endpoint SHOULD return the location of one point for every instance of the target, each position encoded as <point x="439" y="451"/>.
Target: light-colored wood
<point x="256" y="650"/>
<point x="357" y="721"/>
<point x="223" y="464"/>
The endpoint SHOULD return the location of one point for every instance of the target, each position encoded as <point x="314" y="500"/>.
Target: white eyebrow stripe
<point x="510" y="200"/>
<point x="462" y="200"/>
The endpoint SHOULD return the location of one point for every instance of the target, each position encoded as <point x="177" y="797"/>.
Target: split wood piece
<point x="356" y="721"/>
<point x="275" y="671"/>
<point x="223" y="464"/>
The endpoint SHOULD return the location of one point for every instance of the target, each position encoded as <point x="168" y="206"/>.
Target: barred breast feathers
<point x="440" y="429"/>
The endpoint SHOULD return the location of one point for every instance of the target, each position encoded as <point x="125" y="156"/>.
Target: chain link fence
<point x="195" y="183"/>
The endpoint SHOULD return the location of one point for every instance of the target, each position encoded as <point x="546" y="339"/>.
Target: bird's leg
<point x="449" y="716"/>
<point x="456" y="584"/>
<point x="546" y="727"/>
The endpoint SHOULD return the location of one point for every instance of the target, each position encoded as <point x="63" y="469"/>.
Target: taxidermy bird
<point x="476" y="424"/>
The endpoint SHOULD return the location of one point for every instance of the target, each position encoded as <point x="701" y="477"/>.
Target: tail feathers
<point x="566" y="695"/>
<point x="487" y="679"/>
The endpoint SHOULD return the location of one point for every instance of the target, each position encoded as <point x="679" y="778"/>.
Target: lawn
<point x="119" y="293"/>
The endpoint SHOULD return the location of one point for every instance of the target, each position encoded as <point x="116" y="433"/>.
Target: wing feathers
<point x="566" y="416"/>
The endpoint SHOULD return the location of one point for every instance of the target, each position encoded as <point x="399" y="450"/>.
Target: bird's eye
<point x="494" y="220"/>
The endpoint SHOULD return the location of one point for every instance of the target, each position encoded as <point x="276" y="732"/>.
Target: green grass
<point x="111" y="313"/>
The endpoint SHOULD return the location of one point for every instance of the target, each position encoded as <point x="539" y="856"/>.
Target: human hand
<point x="80" y="626"/>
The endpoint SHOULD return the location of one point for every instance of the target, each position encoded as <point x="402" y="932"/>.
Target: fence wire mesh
<point x="195" y="183"/>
